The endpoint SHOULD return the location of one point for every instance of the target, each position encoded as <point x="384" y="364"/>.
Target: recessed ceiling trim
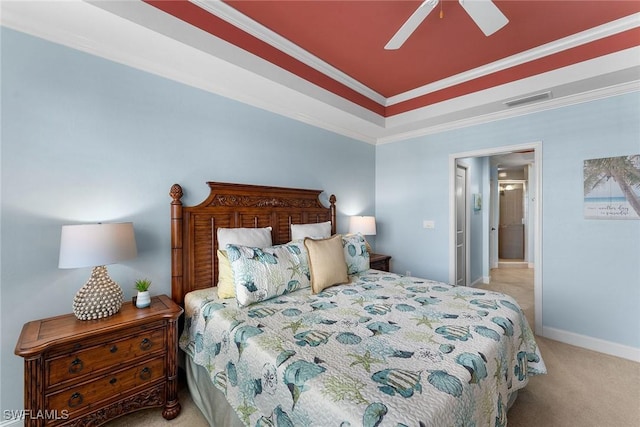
<point x="248" y="25"/>
<point x="613" y="63"/>
<point x="615" y="27"/>
<point x="620" y="89"/>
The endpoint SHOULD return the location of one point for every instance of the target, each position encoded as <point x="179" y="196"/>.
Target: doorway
<point x="531" y="246"/>
<point x="512" y="221"/>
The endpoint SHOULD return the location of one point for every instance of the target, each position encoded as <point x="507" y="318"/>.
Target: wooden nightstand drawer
<point x="92" y="341"/>
<point x="106" y="387"/>
<point x="76" y="365"/>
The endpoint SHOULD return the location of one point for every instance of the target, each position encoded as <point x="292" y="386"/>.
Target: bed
<point x="314" y="337"/>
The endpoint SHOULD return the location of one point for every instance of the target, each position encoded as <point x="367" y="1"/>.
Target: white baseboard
<point x="590" y="343"/>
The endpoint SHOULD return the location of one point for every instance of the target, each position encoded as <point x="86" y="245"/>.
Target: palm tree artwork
<point x="612" y="187"/>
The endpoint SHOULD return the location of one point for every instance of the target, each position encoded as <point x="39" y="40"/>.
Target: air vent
<point x="527" y="99"/>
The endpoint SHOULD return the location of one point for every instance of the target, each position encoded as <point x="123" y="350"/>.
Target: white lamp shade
<point x="91" y="245"/>
<point x="365" y="225"/>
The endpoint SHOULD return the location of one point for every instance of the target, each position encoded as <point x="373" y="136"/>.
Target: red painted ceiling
<point x="350" y="36"/>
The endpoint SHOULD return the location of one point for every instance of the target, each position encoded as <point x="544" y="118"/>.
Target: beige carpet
<point x="583" y="388"/>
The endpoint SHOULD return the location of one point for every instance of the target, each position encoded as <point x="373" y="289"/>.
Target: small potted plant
<point x="143" y="299"/>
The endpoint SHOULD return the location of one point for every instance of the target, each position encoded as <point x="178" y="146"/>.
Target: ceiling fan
<point x="483" y="12"/>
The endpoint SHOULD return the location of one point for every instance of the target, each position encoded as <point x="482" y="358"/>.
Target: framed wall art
<point x="612" y="188"/>
<point x="477" y="201"/>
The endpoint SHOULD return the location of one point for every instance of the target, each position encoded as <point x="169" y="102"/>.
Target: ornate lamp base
<point x="368" y="246"/>
<point x="99" y="297"/>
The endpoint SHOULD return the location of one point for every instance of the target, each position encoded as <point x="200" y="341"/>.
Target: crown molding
<point x="259" y="31"/>
<point x="593" y="95"/>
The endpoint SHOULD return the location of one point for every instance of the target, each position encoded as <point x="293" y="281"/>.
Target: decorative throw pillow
<point x="326" y="262"/>
<point x="263" y="273"/>
<point x="226" y="287"/>
<point x="255" y="237"/>
<point x="321" y="230"/>
<point x="356" y="254"/>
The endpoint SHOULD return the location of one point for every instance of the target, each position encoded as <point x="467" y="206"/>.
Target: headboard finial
<point x="332" y="209"/>
<point x="176" y="193"/>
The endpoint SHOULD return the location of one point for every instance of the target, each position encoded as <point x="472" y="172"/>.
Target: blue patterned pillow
<point x="263" y="273"/>
<point x="355" y="253"/>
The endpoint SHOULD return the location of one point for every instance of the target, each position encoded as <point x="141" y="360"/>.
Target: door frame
<point x="535" y="184"/>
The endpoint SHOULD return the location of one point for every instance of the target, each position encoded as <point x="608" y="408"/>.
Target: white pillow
<point x="254" y="237"/>
<point x="321" y="230"/>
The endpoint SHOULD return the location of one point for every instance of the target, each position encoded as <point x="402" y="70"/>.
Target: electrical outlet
<point x="428" y="224"/>
<point x="408" y="273"/>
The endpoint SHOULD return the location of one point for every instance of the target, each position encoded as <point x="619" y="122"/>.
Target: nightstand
<point x="379" y="261"/>
<point x="87" y="372"/>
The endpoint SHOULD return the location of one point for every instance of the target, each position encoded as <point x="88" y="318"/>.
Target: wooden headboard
<point x="194" y="242"/>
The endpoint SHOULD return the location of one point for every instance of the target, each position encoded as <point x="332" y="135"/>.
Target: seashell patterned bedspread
<point x="382" y="350"/>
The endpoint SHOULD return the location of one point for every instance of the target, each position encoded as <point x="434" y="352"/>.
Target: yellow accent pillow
<point x="226" y="287"/>
<point x="326" y="262"/>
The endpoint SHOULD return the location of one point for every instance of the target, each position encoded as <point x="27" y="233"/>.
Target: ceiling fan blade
<point x="485" y="14"/>
<point x="411" y="24"/>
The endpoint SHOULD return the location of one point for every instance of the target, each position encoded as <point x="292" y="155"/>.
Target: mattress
<point x="383" y="349"/>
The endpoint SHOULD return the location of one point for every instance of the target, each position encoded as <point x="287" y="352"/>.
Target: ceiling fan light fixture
<point x="485" y="14"/>
<point x="411" y="24"/>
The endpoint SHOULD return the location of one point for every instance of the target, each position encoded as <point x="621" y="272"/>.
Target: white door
<point x="511" y="237"/>
<point x="461" y="225"/>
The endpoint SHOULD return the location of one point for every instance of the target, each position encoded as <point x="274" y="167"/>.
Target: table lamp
<point x="96" y="245"/>
<point x="365" y="225"/>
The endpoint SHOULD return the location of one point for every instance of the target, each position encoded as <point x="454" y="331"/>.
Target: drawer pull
<point x="113" y="348"/>
<point x="75" y="400"/>
<point x="146" y="344"/>
<point x="113" y="381"/>
<point x="76" y="366"/>
<point x="145" y="374"/>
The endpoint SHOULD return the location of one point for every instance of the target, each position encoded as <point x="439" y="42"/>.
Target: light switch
<point x="428" y="224"/>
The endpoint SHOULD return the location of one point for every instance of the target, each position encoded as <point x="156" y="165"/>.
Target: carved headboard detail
<point x="194" y="242"/>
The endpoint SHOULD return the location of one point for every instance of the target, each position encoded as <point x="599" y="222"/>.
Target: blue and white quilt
<point x="382" y="350"/>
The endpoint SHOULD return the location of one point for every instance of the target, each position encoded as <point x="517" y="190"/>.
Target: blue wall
<point x="88" y="140"/>
<point x="591" y="268"/>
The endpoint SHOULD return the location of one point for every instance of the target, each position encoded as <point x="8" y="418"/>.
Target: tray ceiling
<point x="324" y="62"/>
